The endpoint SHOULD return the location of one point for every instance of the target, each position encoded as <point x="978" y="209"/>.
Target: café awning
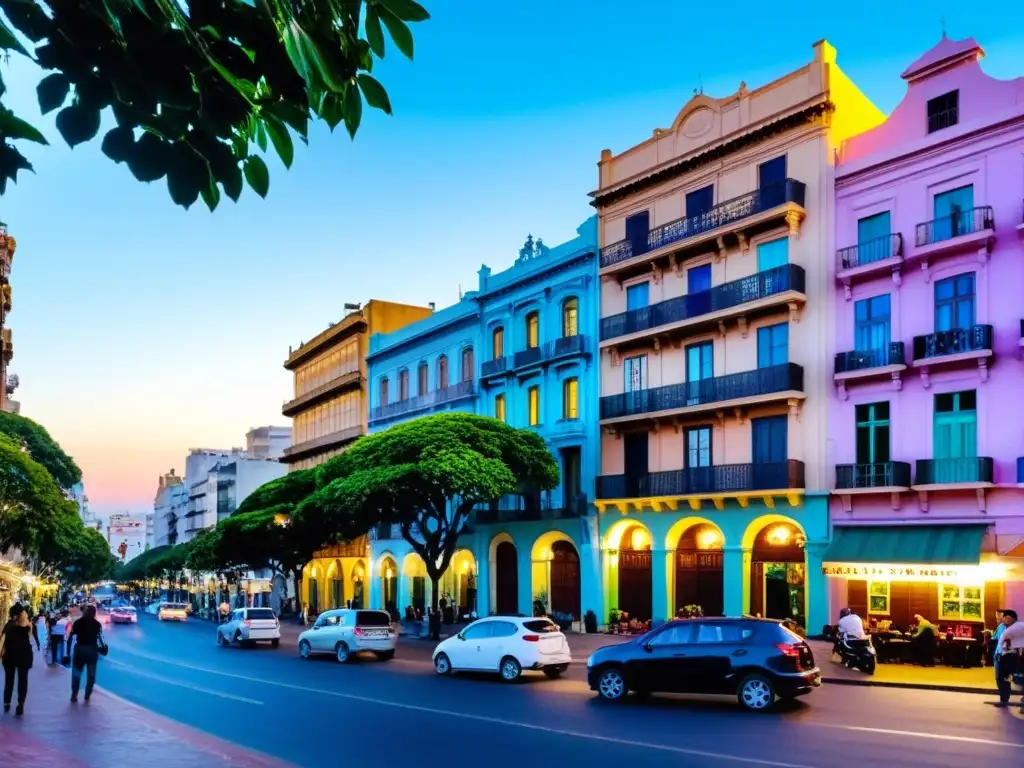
<point x="914" y="544"/>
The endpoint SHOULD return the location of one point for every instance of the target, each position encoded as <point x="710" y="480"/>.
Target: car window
<point x="373" y="619"/>
<point x="261" y="613"/>
<point x="540" y="626"/>
<point x="722" y="633"/>
<point x="330" y="620"/>
<point x="677" y="634"/>
<point x="477" y="631"/>
<point x="503" y="629"/>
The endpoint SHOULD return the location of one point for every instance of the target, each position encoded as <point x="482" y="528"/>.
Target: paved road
<point x="306" y="712"/>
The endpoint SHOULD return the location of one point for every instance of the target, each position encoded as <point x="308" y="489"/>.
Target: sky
<point x="142" y="330"/>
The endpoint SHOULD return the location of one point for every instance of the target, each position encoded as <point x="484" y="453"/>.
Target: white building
<point x="126" y="534"/>
<point x="215" y="495"/>
<point x="168" y="505"/>
<point x="77" y="495"/>
<point x="268" y="442"/>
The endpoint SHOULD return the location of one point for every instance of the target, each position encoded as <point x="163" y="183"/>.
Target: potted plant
<point x="613" y="620"/>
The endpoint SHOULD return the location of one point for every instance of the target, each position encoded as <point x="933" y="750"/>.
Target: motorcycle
<point x="856" y="654"/>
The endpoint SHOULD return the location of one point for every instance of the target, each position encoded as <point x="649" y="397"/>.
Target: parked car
<point x="757" y="660"/>
<point x="507" y="645"/>
<point x="250" y="625"/>
<point x="172" y="612"/>
<point x="124" y="614"/>
<point x="346" y="631"/>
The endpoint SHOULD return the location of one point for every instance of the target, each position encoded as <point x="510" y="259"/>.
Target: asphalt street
<point x="400" y="712"/>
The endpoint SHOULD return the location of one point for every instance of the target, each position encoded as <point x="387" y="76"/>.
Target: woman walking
<point x="87" y="633"/>
<point x="16" y="653"/>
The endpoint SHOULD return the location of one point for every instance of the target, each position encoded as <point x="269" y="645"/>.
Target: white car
<point x="250" y="625"/>
<point x="347" y="631"/>
<point x="507" y="645"/>
<point x="172" y="612"/>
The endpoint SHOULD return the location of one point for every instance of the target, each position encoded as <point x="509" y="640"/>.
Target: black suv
<point x="758" y="660"/>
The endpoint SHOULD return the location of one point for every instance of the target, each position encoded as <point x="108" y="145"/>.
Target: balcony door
<point x="637" y="227"/>
<point x="769" y="449"/>
<point x="773" y="254"/>
<point x="955" y="435"/>
<point x="699" y="202"/>
<point x="698" y="290"/>
<point x="871" y="328"/>
<point x="954" y="302"/>
<point x="952" y="212"/>
<point x="635" y="445"/>
<point x="772" y="345"/>
<point x="572" y="485"/>
<point x="700" y="365"/>
<point x="873" y="454"/>
<point x="637" y="296"/>
<point x="873" y="238"/>
<point x="698" y="460"/>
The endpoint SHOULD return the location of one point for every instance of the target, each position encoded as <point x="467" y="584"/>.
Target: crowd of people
<point x="77" y="643"/>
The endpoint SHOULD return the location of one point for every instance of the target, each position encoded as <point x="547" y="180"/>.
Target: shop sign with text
<point x="892" y="572"/>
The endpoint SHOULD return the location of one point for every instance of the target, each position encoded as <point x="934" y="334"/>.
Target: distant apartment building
<point x="126" y="535"/>
<point x="268" y="442"/>
<point x="168" y="507"/>
<point x="8" y="383"/>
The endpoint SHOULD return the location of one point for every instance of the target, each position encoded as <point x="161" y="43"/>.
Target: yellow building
<point x="329" y="412"/>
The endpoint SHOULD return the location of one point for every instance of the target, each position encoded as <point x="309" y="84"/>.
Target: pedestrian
<point x="87" y="633"/>
<point x="16" y="653"/>
<point x="66" y="660"/>
<point x="57" y="629"/>
<point x="1008" y="659"/>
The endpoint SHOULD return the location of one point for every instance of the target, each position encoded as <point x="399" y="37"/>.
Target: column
<point x="610" y="560"/>
<point x="736" y="580"/>
<point x="592" y="596"/>
<point x="373" y="592"/>
<point x="524" y="564"/>
<point x="659" y="585"/>
<point x="817" y="591"/>
<point x="404" y="596"/>
<point x="483" y="578"/>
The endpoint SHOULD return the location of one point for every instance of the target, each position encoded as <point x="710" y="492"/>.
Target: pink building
<point x="925" y="426"/>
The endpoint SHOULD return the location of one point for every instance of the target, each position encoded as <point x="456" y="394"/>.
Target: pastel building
<point x="924" y="417"/>
<point x="520" y="348"/>
<point x="715" y="298"/>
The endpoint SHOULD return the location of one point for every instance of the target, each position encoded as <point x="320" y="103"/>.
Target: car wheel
<point x="342" y="653"/>
<point x="756" y="693"/>
<point x="274" y="643"/>
<point x="238" y="637"/>
<point x="612" y="685"/>
<point x="442" y="664"/>
<point x="510" y="669"/>
<point x="305" y="651"/>
<point x="553" y="673"/>
<point x="385" y="655"/>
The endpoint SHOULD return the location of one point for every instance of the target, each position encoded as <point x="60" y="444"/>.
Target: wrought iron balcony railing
<point x="876" y="249"/>
<point x="528" y="356"/>
<point x="429" y="401"/>
<point x="762" y="381"/>
<point x="865" y="359"/>
<point x="956" y="224"/>
<point x="884" y="474"/>
<point x="724" y="478"/>
<point x="938" y="471"/>
<point x="955" y="341"/>
<point x="544" y="506"/>
<point x="550" y="350"/>
<point x="494" y="367"/>
<point x="762" y="285"/>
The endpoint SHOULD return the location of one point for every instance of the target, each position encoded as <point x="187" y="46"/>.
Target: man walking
<point x="1011" y="641"/>
<point x="57" y="629"/>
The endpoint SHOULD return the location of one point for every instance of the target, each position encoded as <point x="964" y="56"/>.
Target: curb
<point x="910" y="686"/>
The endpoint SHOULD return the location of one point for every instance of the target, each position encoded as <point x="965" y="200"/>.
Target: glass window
<point x="636" y="373"/>
<point x="698" y="447"/>
<point x="772" y="345"/>
<point x="541" y="626"/>
<point x="498" y="344"/>
<point x="478" y="631"/>
<point x="873" y="238"/>
<point x="570" y="317"/>
<point x="700" y="201"/>
<point x="952" y="211"/>
<point x="774" y="253"/>
<point x="731" y="632"/>
<point x="533" y="402"/>
<point x="943" y="111"/>
<point x="955" y="429"/>
<point x="373" y="619"/>
<point x="638" y="296"/>
<point x="954" y="302"/>
<point x="532" y="330"/>
<point x="771" y="172"/>
<point x="467" y="364"/>
<point x="571" y="398"/>
<point x="499" y="407"/>
<point x="424" y="378"/>
<point x="871" y="319"/>
<point x="959" y="602"/>
<point x="384" y="390"/>
<point x="675" y="634"/>
<point x="403" y="385"/>
<point x="503" y="629"/>
<point x="698" y="279"/>
<point x="442" y="372"/>
<point x="873" y="433"/>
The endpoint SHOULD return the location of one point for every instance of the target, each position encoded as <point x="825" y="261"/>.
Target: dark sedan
<point x="757" y="660"/>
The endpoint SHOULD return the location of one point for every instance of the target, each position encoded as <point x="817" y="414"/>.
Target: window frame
<point x="499" y="407"/>
<point x="570" y="317"/>
<point x="532" y="326"/>
<point x="498" y="343"/>
<point x="533" y="405"/>
<point x="403" y="385"/>
<point x="571" y="398"/>
<point x="468" y="364"/>
<point x="422" y="378"/>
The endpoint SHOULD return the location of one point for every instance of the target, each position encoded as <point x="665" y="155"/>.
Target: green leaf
<point x="374" y="34"/>
<point x="399" y="31"/>
<point x="374" y="92"/>
<point x="78" y="124"/>
<point x="293" y="116"/>
<point x="211" y="195"/>
<point x="281" y="139"/>
<point x="52" y="92"/>
<point x="232" y="183"/>
<point x="119" y="144"/>
<point x="406" y="10"/>
<point x="332" y="109"/>
<point x="9" y="42"/>
<point x="13" y="127"/>
<point x="353" y="106"/>
<point x="257" y="175"/>
<point x="258" y="134"/>
<point x="11" y="161"/>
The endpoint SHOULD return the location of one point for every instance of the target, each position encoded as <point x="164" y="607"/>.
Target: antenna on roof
<point x="460" y="291"/>
<point x="943" y="22"/>
<point x="700" y="83"/>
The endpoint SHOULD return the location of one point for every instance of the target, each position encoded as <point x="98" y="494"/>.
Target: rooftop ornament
<point x="532" y="249"/>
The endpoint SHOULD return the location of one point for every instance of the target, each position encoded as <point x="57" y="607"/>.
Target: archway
<point x="415" y="572"/>
<point x="632" y="541"/>
<point x="358" y="587"/>
<point x="698" y="569"/>
<point x="505" y="566"/>
<point x="388" y="574"/>
<point x="335" y="585"/>
<point x="778" y="571"/>
<point x="312" y="592"/>
<point x="458" y="587"/>
<point x="556" y="574"/>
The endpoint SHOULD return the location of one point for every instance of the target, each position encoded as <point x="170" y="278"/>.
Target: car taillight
<point x="247" y="623"/>
<point x="792" y="651"/>
<point x="531" y="638"/>
<point x="358" y="631"/>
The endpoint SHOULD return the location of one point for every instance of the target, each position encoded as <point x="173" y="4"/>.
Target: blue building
<point x="521" y="348"/>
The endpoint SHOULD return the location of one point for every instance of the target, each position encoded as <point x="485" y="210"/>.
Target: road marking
<point x="180" y="684"/>
<point x="923" y="735"/>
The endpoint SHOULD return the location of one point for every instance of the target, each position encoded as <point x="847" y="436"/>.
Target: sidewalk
<point x="107" y="731"/>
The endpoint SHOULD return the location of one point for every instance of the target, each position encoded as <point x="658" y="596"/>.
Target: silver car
<point x="344" y="632"/>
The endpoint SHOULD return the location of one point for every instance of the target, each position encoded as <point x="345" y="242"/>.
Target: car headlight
<point x="590" y="662"/>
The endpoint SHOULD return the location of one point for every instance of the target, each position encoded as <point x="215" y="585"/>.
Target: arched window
<point x="532" y="330"/>
<point x="571" y="317"/>
<point x="571" y="398"/>
<point x="442" y="372"/>
<point x="498" y="344"/>
<point x="423" y="379"/>
<point x="499" y="407"/>
<point x="467" y="364"/>
<point x="533" y="405"/>
<point x="403" y="384"/>
<point x="383" y="390"/>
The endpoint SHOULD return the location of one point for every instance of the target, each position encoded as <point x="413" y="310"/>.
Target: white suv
<point x="250" y="625"/>
<point x="347" y="631"/>
<point x="507" y="645"/>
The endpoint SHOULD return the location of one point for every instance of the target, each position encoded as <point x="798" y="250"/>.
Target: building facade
<point x="8" y="383"/>
<point x="168" y="507"/>
<point x="927" y="509"/>
<point x="521" y="349"/>
<point x="715" y="302"/>
<point x="268" y="442"/>
<point x="126" y="535"/>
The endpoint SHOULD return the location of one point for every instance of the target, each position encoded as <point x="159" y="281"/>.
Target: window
<point x="772" y="345"/>
<point x="871" y="327"/>
<point x="499" y="407"/>
<point x="774" y="253"/>
<point x="498" y="344"/>
<point x="700" y="201"/>
<point x="770" y="438"/>
<point x="571" y="317"/>
<point x="637" y="296"/>
<point x="423" y="377"/>
<point x="478" y="631"/>
<point x="873" y="238"/>
<point x="722" y="633"/>
<point x="943" y="111"/>
<point x="383" y="390"/>
<point x="403" y="385"/>
<point x="771" y="172"/>
<point x="872" y="429"/>
<point x="677" y="634"/>
<point x="442" y="372"/>
<point x="698" y="447"/>
<point x="571" y="398"/>
<point x="533" y="405"/>
<point x="636" y="373"/>
<point x="540" y="626"/>
<point x="957" y="602"/>
<point x="954" y="302"/>
<point x="698" y="279"/>
<point x="953" y="213"/>
<point x="956" y="428"/>
<point x="467" y="364"/>
<point x="503" y="629"/>
<point x="532" y="330"/>
<point x="878" y="597"/>
<point x="637" y="227"/>
<point x="700" y="365"/>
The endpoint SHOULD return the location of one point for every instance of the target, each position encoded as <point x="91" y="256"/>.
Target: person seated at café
<point x="851" y="626"/>
<point x="925" y="641"/>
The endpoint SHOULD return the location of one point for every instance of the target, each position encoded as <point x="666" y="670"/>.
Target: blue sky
<point x="142" y="330"/>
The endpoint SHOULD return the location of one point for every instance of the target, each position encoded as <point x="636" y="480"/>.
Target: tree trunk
<point x="435" y="614"/>
<point x="300" y="612"/>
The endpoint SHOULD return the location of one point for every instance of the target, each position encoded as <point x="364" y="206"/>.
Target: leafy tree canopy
<point x="195" y="85"/>
<point x="41" y="447"/>
<point x="31" y="504"/>
<point x="78" y="553"/>
<point x="204" y="551"/>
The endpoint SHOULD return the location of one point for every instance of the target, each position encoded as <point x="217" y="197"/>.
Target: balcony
<point x="694" y="486"/>
<point x="495" y="367"/>
<point x="322" y="444"/>
<point x="432" y="401"/>
<point x="545" y="506"/>
<point x="337" y="385"/>
<point x="525" y="359"/>
<point x="953" y="347"/>
<point x="869" y="259"/>
<point x="755" y="294"/>
<point x="1020" y="470"/>
<point x="870" y="364"/>
<point x="973" y="229"/>
<point x="528" y="356"/>
<point x="778" y="382"/>
<point x="872" y="478"/>
<point x="966" y="474"/>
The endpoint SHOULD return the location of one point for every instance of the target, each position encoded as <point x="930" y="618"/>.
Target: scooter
<point x="856" y="654"/>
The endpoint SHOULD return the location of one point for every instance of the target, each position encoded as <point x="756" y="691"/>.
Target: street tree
<point x="78" y="553"/>
<point x="41" y="447"/>
<point x="195" y="86"/>
<point x="427" y="476"/>
<point x="31" y="503"/>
